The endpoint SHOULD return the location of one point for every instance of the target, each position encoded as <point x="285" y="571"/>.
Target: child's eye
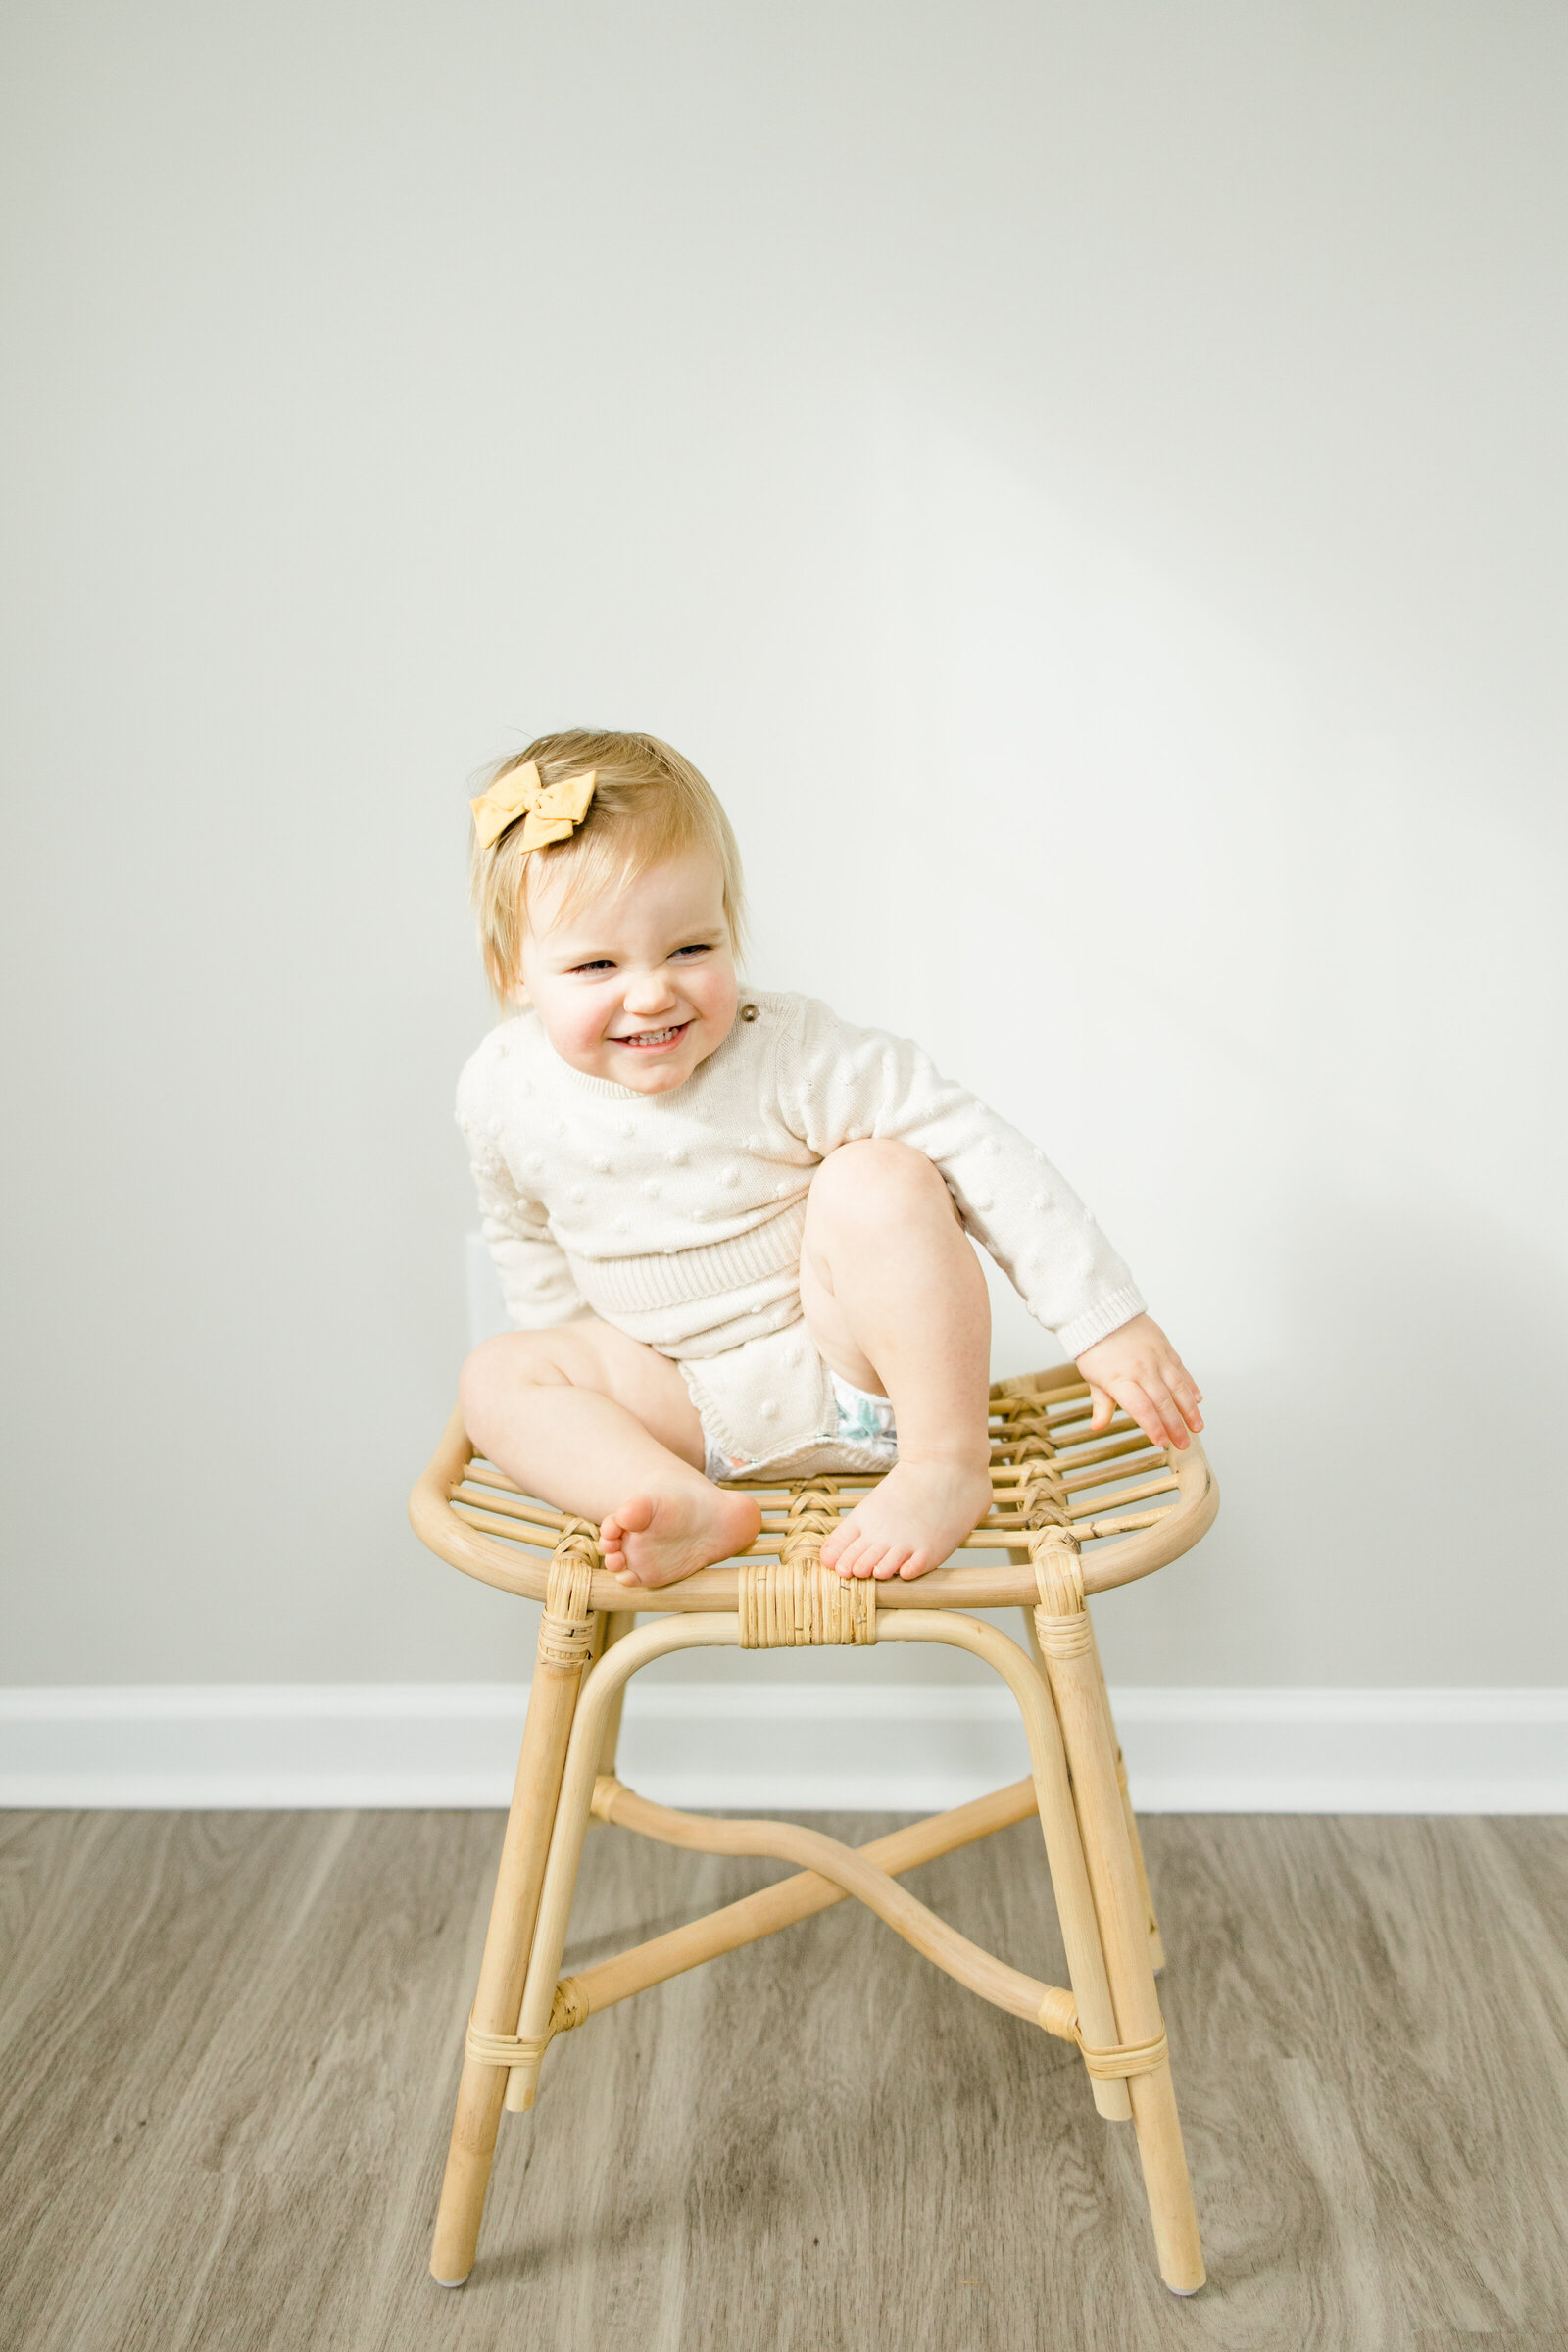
<point x="601" y="965"/>
<point x="699" y="947"/>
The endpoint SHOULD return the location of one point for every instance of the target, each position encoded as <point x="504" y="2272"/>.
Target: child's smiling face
<point x="637" y="986"/>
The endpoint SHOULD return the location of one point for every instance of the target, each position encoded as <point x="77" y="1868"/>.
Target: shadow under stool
<point x="1075" y="1515"/>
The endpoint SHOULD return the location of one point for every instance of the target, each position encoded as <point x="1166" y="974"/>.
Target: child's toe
<point x="840" y="1547"/>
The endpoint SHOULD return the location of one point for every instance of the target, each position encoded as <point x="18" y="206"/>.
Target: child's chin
<point x="659" y="1077"/>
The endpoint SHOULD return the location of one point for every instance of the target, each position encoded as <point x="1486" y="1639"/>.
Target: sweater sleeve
<point x="535" y="1278"/>
<point x="839" y="1083"/>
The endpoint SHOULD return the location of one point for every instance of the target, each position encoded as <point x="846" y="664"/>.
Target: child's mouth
<point x="650" y="1039"/>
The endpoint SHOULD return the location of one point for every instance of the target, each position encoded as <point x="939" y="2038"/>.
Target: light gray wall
<point x="1086" y="483"/>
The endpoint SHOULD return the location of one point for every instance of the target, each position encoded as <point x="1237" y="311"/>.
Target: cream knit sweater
<point x="678" y="1217"/>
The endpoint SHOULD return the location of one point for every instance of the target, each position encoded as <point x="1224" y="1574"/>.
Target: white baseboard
<point x="795" y="1746"/>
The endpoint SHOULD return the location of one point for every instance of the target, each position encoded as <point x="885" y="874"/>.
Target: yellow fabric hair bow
<point x="550" y="812"/>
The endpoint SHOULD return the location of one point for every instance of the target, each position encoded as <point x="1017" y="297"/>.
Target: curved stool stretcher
<point x="1071" y="1515"/>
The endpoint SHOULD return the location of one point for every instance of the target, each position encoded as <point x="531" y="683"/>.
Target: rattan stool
<point x="1074" y="1515"/>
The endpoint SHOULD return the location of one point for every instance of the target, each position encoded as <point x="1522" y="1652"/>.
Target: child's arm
<point x="838" y="1083"/>
<point x="1138" y="1369"/>
<point x="535" y="1279"/>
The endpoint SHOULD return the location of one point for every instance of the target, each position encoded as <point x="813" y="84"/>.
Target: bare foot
<point x="910" y="1522"/>
<point x="658" y="1539"/>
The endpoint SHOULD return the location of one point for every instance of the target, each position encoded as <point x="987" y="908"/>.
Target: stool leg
<point x="617" y="1624"/>
<point x="573" y="1812"/>
<point x="1157" y="1945"/>
<point x="1061" y="1622"/>
<point x="551" y="1704"/>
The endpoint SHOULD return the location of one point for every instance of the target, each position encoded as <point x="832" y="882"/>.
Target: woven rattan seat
<point x="1071" y="1514"/>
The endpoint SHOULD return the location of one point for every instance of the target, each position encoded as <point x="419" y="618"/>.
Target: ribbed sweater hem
<point x="631" y="1286"/>
<point x="1099" y="1322"/>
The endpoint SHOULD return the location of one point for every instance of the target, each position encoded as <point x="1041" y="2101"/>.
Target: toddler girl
<point x="732" y="1230"/>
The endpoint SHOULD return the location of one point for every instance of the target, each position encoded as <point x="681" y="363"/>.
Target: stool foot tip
<point x="462" y="2282"/>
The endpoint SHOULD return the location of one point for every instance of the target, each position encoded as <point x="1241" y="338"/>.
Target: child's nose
<point x="647" y="992"/>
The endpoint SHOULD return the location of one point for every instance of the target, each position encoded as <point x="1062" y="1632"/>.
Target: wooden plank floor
<point x="229" y="2045"/>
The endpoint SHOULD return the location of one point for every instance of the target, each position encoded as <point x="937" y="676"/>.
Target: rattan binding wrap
<point x="795" y="1603"/>
<point x="566" y="1633"/>
<point x="567" y="2009"/>
<point x="1125" y="2058"/>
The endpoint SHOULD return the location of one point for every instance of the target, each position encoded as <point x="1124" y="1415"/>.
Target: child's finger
<point x="1134" y="1401"/>
<point x="1170" y="1414"/>
<point x="1155" y="1383"/>
<point x="1187" y="1397"/>
<point x="1154" y="1408"/>
<point x="1181" y="1379"/>
<point x="1104" y="1405"/>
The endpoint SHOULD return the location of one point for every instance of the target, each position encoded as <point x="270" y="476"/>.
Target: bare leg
<point x="605" y="1428"/>
<point x="895" y="1301"/>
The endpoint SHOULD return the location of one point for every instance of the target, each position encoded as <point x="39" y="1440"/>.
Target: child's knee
<point x="876" y="1179"/>
<point x="497" y="1366"/>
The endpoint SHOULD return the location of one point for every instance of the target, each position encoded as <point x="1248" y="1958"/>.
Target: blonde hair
<point x="649" y="805"/>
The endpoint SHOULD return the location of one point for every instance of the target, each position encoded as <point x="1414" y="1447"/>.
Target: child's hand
<point x="1138" y="1369"/>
